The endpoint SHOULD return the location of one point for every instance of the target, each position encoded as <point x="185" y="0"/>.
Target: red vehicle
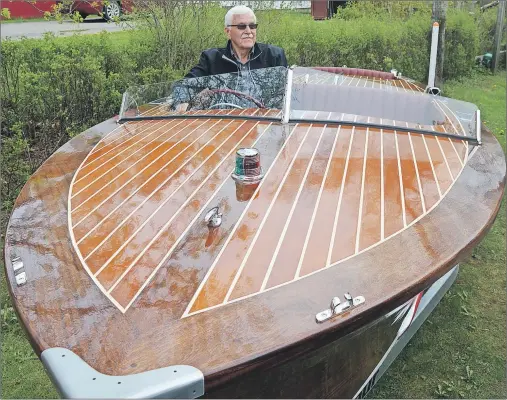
<point x="109" y="9"/>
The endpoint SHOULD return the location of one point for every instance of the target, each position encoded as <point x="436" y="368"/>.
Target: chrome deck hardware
<point x="213" y="218"/>
<point x="17" y="264"/>
<point x="338" y="307"/>
<point x="19" y="271"/>
<point x="21" y="279"/>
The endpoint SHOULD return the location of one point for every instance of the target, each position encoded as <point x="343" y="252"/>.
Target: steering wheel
<point x="225" y="104"/>
<point x="207" y="95"/>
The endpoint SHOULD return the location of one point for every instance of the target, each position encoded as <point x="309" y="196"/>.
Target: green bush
<point x="54" y="88"/>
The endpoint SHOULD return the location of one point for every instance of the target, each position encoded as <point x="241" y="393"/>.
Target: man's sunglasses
<point x="242" y="27"/>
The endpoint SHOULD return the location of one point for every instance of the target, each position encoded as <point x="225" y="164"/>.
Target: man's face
<point x="242" y="39"/>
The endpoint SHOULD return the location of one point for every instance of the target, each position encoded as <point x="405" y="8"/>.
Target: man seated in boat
<point x="241" y="54"/>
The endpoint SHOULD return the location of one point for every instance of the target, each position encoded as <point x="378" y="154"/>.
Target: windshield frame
<point x="285" y="116"/>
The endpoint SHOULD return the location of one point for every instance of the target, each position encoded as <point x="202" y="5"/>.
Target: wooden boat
<point x="140" y="268"/>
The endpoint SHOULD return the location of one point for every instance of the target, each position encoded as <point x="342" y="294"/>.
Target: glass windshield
<point x="258" y="88"/>
<point x="387" y="102"/>
<point x="315" y="94"/>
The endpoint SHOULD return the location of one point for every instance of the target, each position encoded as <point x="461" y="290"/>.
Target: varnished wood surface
<point x="61" y="306"/>
<point x="140" y="189"/>
<point x="334" y="371"/>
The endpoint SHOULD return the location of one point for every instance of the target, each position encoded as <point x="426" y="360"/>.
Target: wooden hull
<point x="335" y="370"/>
<point x="122" y="270"/>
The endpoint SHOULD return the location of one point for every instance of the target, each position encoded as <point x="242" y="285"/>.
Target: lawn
<point x="460" y="351"/>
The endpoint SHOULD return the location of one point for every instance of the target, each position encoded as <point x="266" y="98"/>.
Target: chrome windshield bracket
<point x="337" y="308"/>
<point x="478" y="127"/>
<point x="288" y="95"/>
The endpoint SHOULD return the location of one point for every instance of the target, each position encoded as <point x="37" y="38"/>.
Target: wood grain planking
<point x="131" y="283"/>
<point x="428" y="183"/>
<point x="153" y="190"/>
<point x="412" y="195"/>
<point x="116" y="151"/>
<point x="286" y="261"/>
<point x="317" y="249"/>
<point x="128" y="241"/>
<point x="346" y="226"/>
<point x="110" y="175"/>
<point x="225" y="267"/>
<point x="161" y="165"/>
<point x="120" y="133"/>
<point x="370" y="220"/>
<point x="119" y="157"/>
<point x="255" y="268"/>
<point x="393" y="212"/>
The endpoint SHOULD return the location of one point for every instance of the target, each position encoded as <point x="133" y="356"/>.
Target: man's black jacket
<point x="221" y="60"/>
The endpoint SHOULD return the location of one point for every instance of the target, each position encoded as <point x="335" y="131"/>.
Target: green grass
<point x="458" y="352"/>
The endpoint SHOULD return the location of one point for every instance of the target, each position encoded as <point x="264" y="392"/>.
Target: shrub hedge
<point x="54" y="88"/>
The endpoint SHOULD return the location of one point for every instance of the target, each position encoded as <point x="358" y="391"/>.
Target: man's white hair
<point x="238" y="10"/>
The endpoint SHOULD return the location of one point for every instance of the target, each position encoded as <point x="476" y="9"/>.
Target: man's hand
<point x="182" y="107"/>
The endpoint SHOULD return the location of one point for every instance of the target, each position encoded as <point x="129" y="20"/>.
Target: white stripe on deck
<point x="291" y="212"/>
<point x="361" y="196"/>
<point x="140" y="172"/>
<point x="314" y="214"/>
<point x="166" y="225"/>
<point x="264" y="219"/>
<point x="401" y="179"/>
<point x="333" y="235"/>
<point x="421" y="194"/>
<point x="238" y="223"/>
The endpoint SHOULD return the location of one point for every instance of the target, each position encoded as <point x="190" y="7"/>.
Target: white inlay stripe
<point x="335" y="222"/>
<point x="361" y="196"/>
<point x="166" y="225"/>
<point x="238" y="223"/>
<point x="421" y="194"/>
<point x="401" y="180"/>
<point x="264" y="219"/>
<point x="291" y="212"/>
<point x="382" y="194"/>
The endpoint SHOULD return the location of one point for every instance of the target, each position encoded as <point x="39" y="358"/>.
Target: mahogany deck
<point x="123" y="271"/>
<point x="323" y="199"/>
